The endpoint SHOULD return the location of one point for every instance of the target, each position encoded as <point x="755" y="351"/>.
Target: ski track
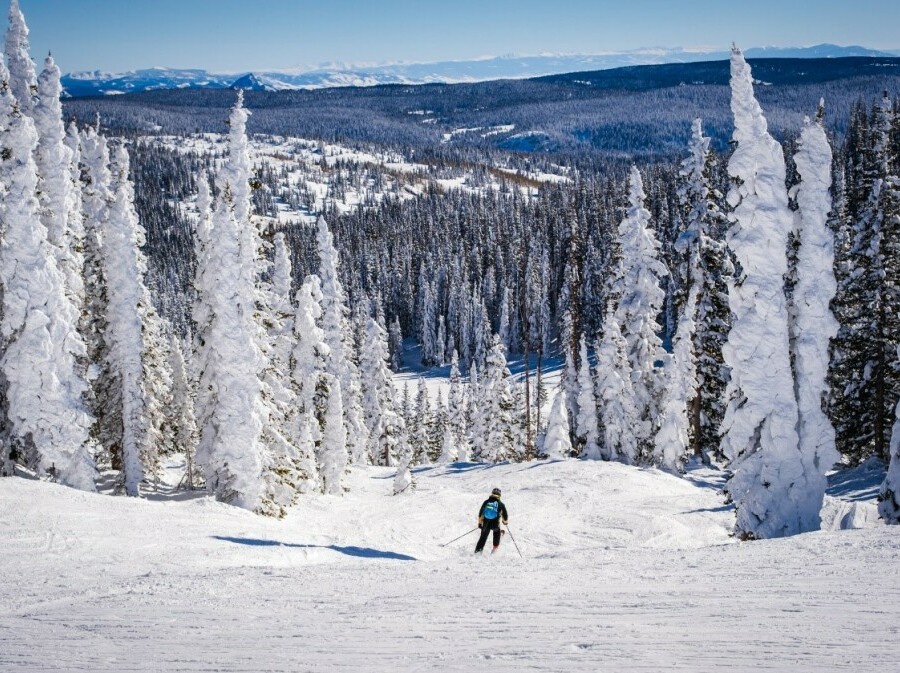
<point x="625" y="570"/>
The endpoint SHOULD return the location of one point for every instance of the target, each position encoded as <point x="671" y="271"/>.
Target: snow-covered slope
<point x="94" y="83"/>
<point x="624" y="570"/>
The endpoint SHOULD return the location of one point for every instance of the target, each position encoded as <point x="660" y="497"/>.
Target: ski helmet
<point x="496" y="492"/>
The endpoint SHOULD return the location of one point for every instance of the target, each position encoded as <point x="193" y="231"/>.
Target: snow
<point x="625" y="570"/>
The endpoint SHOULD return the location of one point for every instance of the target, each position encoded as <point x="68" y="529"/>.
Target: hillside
<point x="622" y="114"/>
<point x="624" y="569"/>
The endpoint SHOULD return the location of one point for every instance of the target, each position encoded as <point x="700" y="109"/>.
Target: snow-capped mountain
<point x="95" y="83"/>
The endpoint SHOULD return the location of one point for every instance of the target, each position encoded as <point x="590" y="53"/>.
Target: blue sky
<point x="240" y="35"/>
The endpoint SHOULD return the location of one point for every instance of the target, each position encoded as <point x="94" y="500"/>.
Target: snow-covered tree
<point x="556" y="442"/>
<point x="184" y="422"/>
<point x="60" y="203"/>
<point x="333" y="456"/>
<point x="456" y="411"/>
<point x="889" y="494"/>
<point x="496" y="408"/>
<point x="638" y="288"/>
<point x="230" y="447"/>
<point x="813" y="323"/>
<point x="136" y="364"/>
<point x="586" y="425"/>
<point x="340" y="361"/>
<point x="706" y="276"/>
<point x="307" y="376"/>
<point x="403" y="479"/>
<point x="385" y="425"/>
<point x="48" y="423"/>
<point x="618" y="415"/>
<point x="774" y="485"/>
<point x="419" y="425"/>
<point x="21" y="75"/>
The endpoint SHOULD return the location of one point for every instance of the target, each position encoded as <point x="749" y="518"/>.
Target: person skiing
<point x="489" y="516"/>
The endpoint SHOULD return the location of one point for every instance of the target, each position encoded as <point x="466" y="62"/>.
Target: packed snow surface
<point x="624" y="569"/>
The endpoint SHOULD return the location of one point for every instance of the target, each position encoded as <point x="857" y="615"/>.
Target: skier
<point x="489" y="516"/>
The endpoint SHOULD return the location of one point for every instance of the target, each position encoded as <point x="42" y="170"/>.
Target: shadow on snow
<point x="360" y="552"/>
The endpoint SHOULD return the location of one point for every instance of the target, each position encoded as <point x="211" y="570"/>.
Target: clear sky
<point x="241" y="35"/>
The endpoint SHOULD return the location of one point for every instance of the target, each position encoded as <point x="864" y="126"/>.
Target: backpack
<point x="492" y="509"/>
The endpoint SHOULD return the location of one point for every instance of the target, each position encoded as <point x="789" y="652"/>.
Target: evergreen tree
<point x="496" y="408"/>
<point x="340" y="362"/>
<point x="333" y="457"/>
<point x="184" y="422"/>
<point x="708" y="268"/>
<point x="307" y="376"/>
<point x="60" y="207"/>
<point x="637" y="286"/>
<point x="457" y="412"/>
<point x="813" y="324"/>
<point x="139" y="379"/>
<point x="421" y="420"/>
<point x="864" y="377"/>
<point x="618" y="415"/>
<point x="48" y="423"/>
<point x="556" y="443"/>
<point x="21" y="74"/>
<point x="230" y="448"/>
<point x="586" y="427"/>
<point x="385" y="425"/>
<point x="770" y="484"/>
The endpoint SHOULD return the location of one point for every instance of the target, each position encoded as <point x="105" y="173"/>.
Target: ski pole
<point x="514" y="541"/>
<point x="460" y="537"/>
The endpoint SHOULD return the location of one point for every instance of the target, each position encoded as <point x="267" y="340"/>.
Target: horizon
<point x="109" y="36"/>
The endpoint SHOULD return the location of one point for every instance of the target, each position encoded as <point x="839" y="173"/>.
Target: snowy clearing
<point x="625" y="570"/>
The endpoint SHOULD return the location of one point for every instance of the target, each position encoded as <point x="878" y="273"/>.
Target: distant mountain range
<point x="96" y="83"/>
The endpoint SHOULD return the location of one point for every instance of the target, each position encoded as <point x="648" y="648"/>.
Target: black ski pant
<point x="488" y="526"/>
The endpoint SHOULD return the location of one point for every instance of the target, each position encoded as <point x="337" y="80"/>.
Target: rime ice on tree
<point x="771" y="486"/>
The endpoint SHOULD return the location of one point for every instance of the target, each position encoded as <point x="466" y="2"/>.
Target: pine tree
<point x="184" y="422"/>
<point x="556" y="443"/>
<point x="708" y="268"/>
<point x="496" y="408"/>
<point x="586" y="427"/>
<point x="385" y="425"/>
<point x="457" y="412"/>
<point x="637" y="286"/>
<point x="769" y="486"/>
<point x="813" y="324"/>
<point x="418" y="429"/>
<point x="889" y="493"/>
<point x="341" y="349"/>
<point x="230" y="447"/>
<point x="60" y="207"/>
<point x="136" y="343"/>
<point x="618" y="415"/>
<point x="48" y="423"/>
<point x="21" y="74"/>
<point x="307" y="376"/>
<point x="333" y="457"/>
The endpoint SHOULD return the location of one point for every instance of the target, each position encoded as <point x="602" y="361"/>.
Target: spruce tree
<point x="637" y="287"/>
<point x="813" y="324"/>
<point x="586" y="425"/>
<point x="708" y="268"/>
<point x="47" y="420"/>
<point x="770" y="484"/>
